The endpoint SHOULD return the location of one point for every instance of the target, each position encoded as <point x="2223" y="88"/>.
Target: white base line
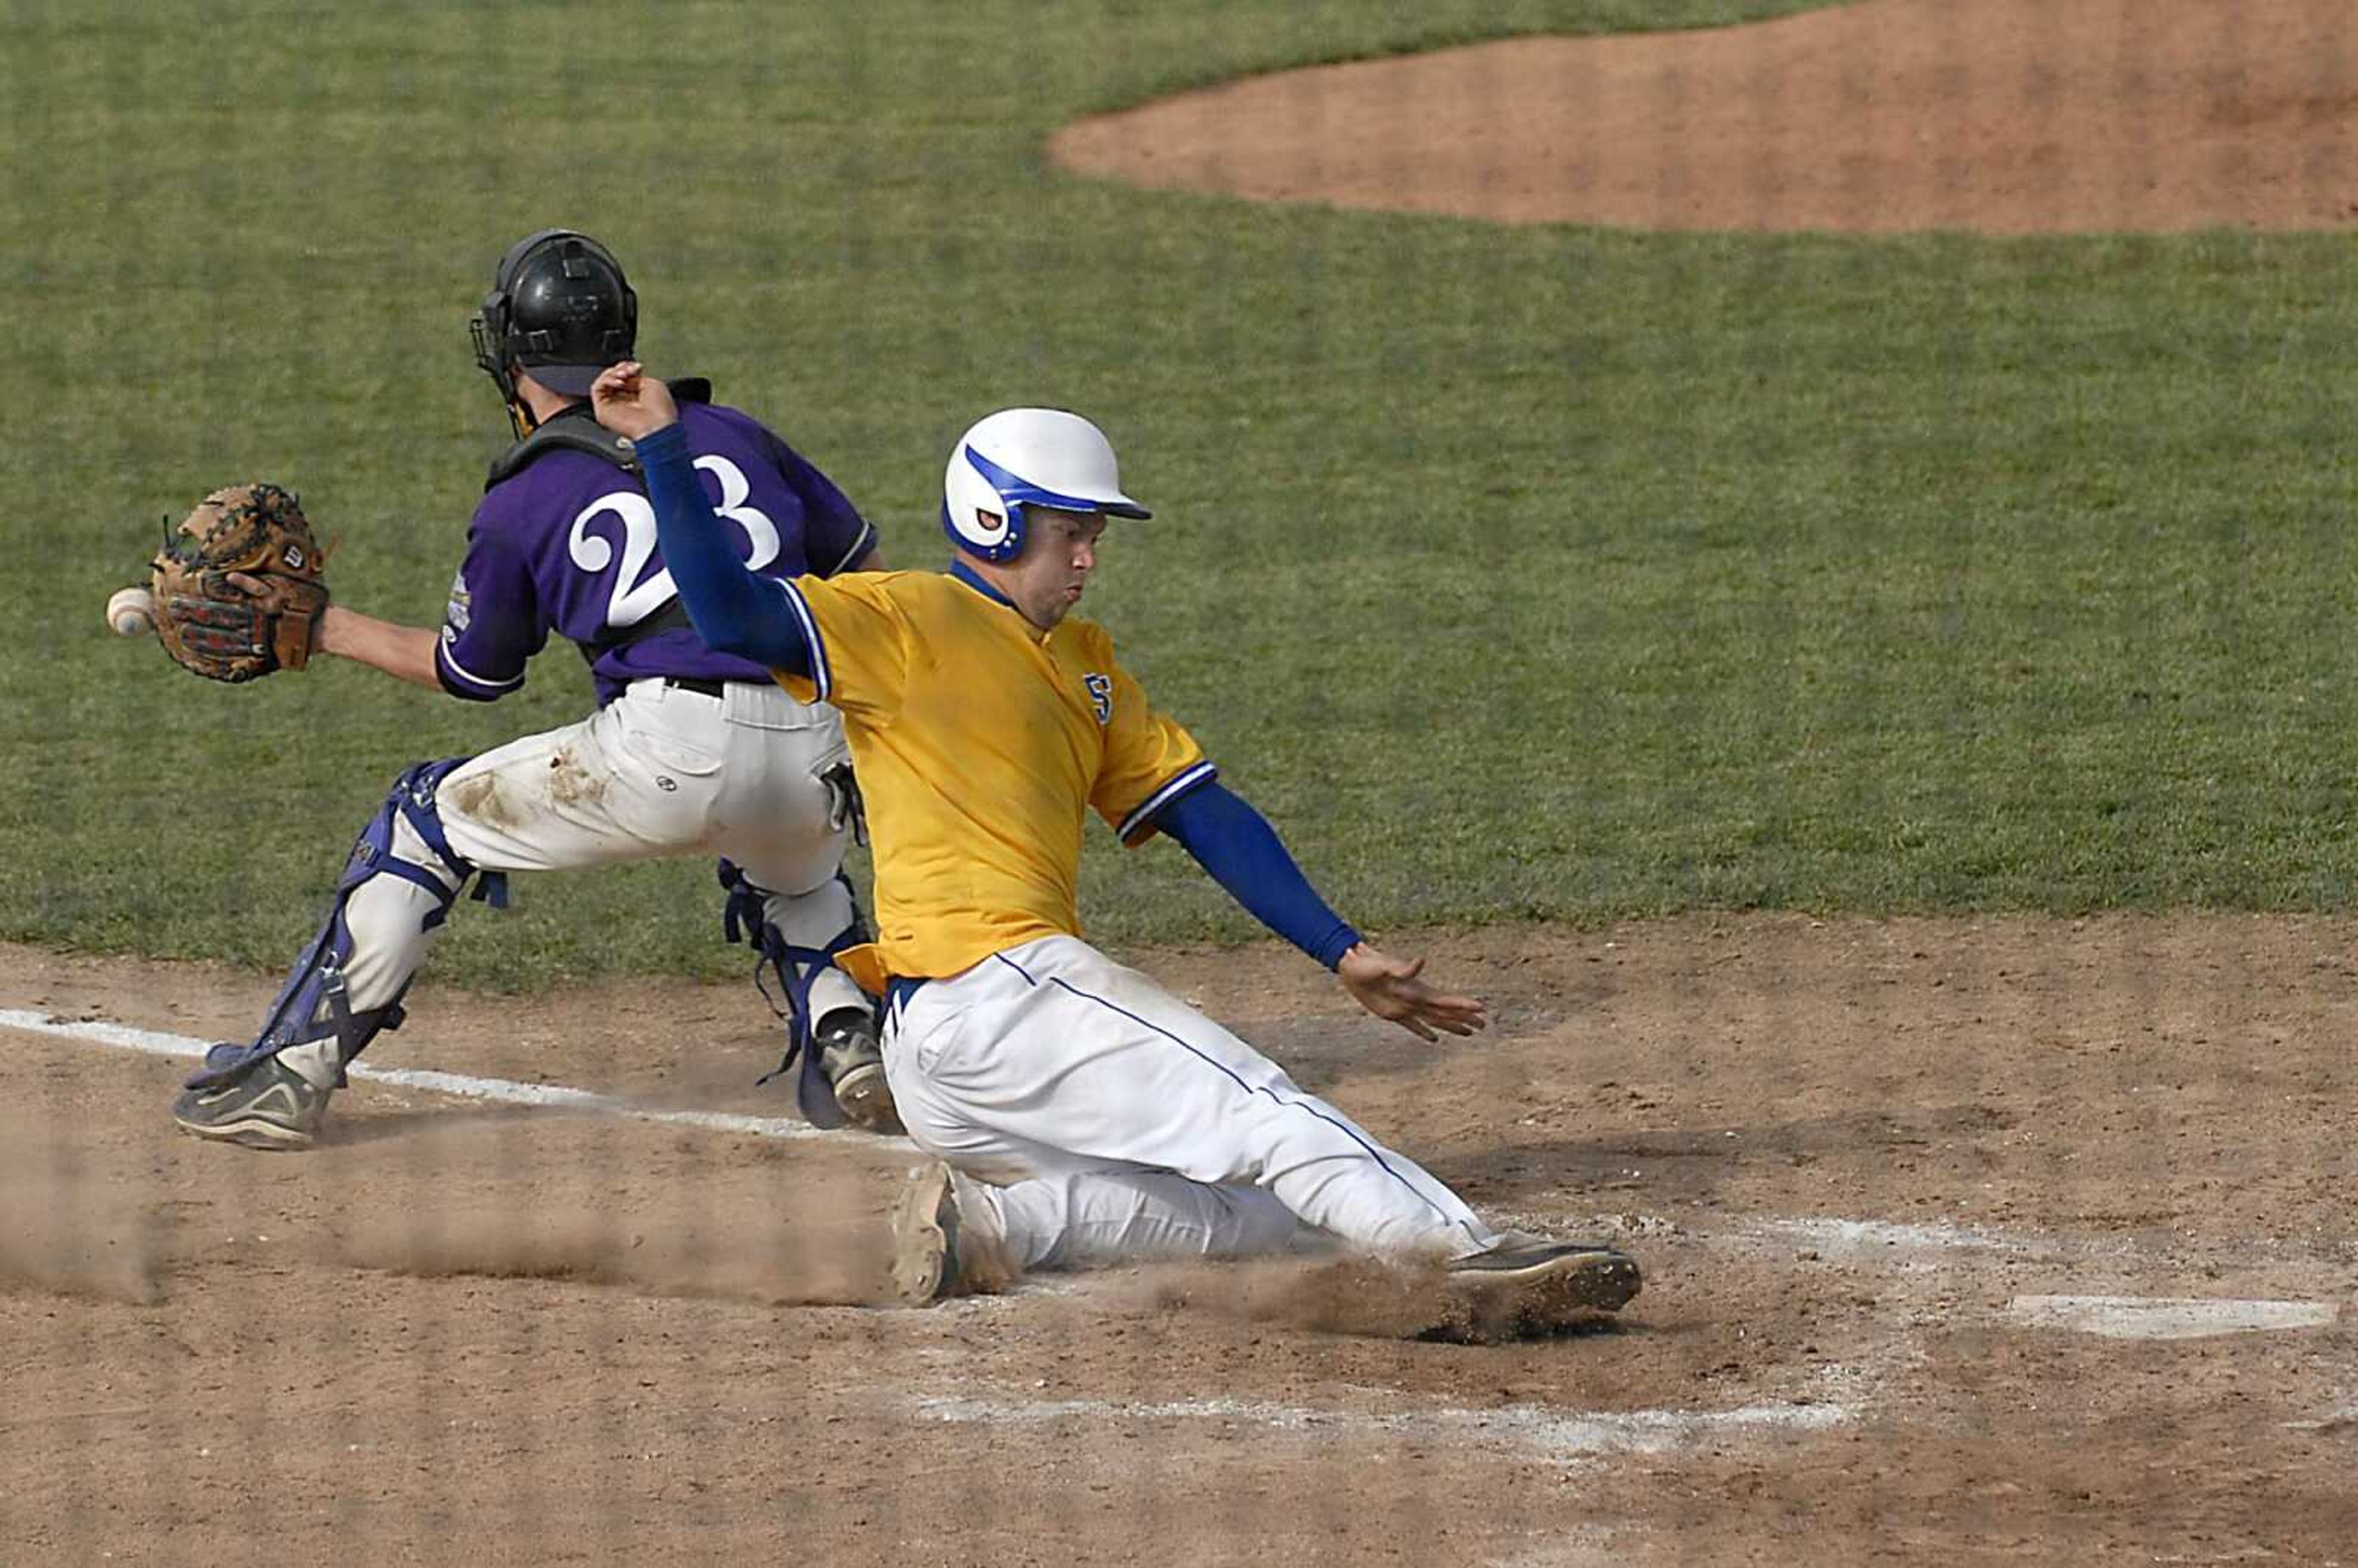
<point x="552" y="1097"/>
<point x="2169" y="1317"/>
<point x="1562" y="1435"/>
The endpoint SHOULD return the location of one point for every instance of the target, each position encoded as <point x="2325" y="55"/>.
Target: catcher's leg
<point x="347" y="984"/>
<point x="830" y="1027"/>
<point x="784" y="820"/>
<point x="638" y="779"/>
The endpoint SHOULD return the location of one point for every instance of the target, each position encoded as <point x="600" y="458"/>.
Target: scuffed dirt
<point x="1841" y="1149"/>
<point x="479" y="797"/>
<point x="1348" y="1295"/>
<point x="570" y="784"/>
<point x="2001" y="116"/>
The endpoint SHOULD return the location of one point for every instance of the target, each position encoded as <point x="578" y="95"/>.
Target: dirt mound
<point x="2004" y="117"/>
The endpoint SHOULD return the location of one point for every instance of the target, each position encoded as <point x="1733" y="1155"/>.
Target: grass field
<point x="1549" y="574"/>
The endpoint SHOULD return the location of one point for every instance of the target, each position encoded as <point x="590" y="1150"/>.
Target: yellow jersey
<point x="979" y="740"/>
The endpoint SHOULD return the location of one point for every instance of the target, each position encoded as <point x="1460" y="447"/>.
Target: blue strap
<point x="744" y="917"/>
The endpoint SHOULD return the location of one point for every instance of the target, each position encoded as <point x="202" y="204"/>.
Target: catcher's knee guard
<point x="745" y="918"/>
<point x="314" y="1004"/>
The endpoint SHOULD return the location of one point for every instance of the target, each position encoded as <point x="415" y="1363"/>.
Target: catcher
<point x="689" y="752"/>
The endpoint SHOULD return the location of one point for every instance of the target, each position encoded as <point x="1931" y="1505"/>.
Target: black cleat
<point x="854" y="1065"/>
<point x="267" y="1106"/>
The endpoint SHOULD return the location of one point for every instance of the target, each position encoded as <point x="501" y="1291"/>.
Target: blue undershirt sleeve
<point x="733" y="611"/>
<point x="1236" y="844"/>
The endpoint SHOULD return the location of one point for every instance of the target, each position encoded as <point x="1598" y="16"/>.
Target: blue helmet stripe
<point x="1017" y="491"/>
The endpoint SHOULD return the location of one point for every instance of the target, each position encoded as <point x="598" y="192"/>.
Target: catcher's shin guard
<point x="799" y="964"/>
<point x="314" y="1005"/>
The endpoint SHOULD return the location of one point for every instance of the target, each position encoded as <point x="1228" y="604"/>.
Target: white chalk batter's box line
<point x="2118" y="1316"/>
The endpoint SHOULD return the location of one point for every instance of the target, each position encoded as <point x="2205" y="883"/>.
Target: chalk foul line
<point x="504" y="1091"/>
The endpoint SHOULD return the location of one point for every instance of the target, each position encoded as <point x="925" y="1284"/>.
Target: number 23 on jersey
<point x="630" y="601"/>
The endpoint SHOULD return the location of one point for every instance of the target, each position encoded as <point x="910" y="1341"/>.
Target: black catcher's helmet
<point x="560" y="308"/>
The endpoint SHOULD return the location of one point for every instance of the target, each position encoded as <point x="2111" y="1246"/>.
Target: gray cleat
<point x="267" y="1106"/>
<point x="854" y="1065"/>
<point x="1529" y="1278"/>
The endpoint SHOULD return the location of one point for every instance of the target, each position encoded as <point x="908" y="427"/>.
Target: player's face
<point x="1060" y="551"/>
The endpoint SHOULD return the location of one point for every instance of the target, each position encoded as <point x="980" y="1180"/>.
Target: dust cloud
<point x="72" y="1227"/>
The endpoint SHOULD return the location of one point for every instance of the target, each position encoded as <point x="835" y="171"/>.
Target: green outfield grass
<point x="1550" y="573"/>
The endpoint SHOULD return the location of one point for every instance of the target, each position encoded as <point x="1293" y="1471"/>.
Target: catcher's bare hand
<point x="1389" y="988"/>
<point x="631" y="403"/>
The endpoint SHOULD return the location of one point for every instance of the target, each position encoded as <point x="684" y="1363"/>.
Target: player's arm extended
<point x="1243" y="853"/>
<point x="406" y="652"/>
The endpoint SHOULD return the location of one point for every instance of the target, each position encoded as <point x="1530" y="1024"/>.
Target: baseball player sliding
<point x="691" y="750"/>
<point x="1083" y="1113"/>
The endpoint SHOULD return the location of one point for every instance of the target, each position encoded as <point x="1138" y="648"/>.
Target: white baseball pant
<point x="660" y="770"/>
<point x="1108" y="1119"/>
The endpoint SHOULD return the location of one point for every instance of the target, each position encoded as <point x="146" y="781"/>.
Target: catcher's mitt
<point x="240" y="631"/>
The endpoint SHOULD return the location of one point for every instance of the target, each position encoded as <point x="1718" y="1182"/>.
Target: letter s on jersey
<point x="1100" y="696"/>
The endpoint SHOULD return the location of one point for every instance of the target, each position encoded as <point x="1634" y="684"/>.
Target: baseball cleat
<point x="268" y="1106"/>
<point x="1535" y="1278"/>
<point x="941" y="1249"/>
<point x="854" y="1065"/>
<point x="926" y="1236"/>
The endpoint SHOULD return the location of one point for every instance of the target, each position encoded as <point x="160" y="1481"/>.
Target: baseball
<point x="130" y="613"/>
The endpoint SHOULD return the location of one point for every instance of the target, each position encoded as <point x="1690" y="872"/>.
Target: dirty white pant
<point x="1110" y="1120"/>
<point x="658" y="772"/>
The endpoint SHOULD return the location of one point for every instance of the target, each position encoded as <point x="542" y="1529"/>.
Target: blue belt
<point x="899" y="989"/>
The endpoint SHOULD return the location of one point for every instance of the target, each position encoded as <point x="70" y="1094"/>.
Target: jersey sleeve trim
<point x="464" y="682"/>
<point x="821" y="677"/>
<point x="1179" y="784"/>
<point x="859" y="546"/>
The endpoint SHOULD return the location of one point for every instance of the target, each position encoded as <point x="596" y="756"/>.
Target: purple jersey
<point x="568" y="545"/>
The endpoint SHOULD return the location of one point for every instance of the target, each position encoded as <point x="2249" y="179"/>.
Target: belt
<point x="696" y="684"/>
<point x="899" y="989"/>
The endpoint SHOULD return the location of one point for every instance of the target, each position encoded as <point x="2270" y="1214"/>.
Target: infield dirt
<point x="1844" y="1149"/>
<point x="2001" y="116"/>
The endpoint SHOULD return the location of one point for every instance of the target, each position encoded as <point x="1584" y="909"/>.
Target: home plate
<point x="2157" y="1317"/>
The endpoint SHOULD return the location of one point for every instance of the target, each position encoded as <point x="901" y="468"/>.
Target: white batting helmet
<point x="1027" y="457"/>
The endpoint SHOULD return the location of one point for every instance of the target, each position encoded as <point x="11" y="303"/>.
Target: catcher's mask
<point x="1027" y="457"/>
<point x="560" y="308"/>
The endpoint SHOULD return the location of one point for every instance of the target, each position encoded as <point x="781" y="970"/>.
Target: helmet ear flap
<point x="977" y="518"/>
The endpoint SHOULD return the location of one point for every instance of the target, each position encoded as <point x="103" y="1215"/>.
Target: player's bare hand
<point x="1389" y="988"/>
<point x="631" y="403"/>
